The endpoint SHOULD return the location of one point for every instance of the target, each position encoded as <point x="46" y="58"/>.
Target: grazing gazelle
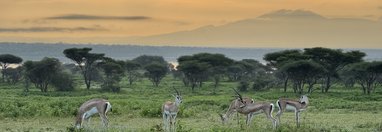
<point x="91" y="107"/>
<point x="297" y="106"/>
<point x="169" y="111"/>
<point x="255" y="108"/>
<point x="234" y="107"/>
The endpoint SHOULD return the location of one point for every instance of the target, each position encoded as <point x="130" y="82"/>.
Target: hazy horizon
<point x="34" y="52"/>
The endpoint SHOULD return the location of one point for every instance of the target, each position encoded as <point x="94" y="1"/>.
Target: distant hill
<point x="36" y="51"/>
<point x="282" y="28"/>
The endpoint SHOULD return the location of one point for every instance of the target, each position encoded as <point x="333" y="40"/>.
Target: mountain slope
<point x="283" y="28"/>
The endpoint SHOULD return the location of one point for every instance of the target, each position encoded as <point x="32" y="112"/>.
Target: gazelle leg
<point x="174" y="122"/>
<point x="269" y="116"/>
<point x="104" y="119"/>
<point x="83" y="119"/>
<point x="87" y="119"/>
<point x="238" y="118"/>
<point x="166" y="122"/>
<point x="297" y="114"/>
<point x="249" y="119"/>
<point x="278" y="115"/>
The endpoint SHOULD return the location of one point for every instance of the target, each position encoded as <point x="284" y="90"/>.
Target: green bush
<point x="243" y="86"/>
<point x="63" y="82"/>
<point x="151" y="112"/>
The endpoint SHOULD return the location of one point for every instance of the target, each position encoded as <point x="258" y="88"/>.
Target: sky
<point x="117" y="21"/>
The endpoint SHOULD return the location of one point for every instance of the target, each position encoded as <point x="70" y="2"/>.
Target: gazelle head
<point x="304" y="99"/>
<point x="242" y="104"/>
<point x="178" y="97"/>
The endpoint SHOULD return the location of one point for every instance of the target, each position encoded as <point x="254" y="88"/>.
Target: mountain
<point x="282" y="28"/>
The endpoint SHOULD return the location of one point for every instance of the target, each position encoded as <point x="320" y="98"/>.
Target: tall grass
<point x="140" y="104"/>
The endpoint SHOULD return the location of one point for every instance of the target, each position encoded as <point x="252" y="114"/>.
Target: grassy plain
<point x="137" y="108"/>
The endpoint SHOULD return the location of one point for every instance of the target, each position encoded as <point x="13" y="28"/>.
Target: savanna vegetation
<point x="344" y="91"/>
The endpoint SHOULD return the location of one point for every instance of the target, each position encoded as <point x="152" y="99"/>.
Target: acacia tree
<point x="366" y="74"/>
<point x="204" y="65"/>
<point x="235" y="72"/>
<point x="13" y="75"/>
<point x="155" y="72"/>
<point x="6" y="60"/>
<point x="42" y="72"/>
<point x="332" y="60"/>
<point x="277" y="59"/>
<point x="132" y="68"/>
<point x="114" y="71"/>
<point x="192" y="70"/>
<point x="218" y="65"/>
<point x="145" y="60"/>
<point x="303" y="72"/>
<point x="85" y="60"/>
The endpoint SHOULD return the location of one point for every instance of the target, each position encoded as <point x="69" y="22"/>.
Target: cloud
<point x="92" y="17"/>
<point x="379" y="7"/>
<point x="52" y="29"/>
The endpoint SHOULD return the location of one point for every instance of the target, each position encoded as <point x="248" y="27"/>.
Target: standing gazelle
<point x="91" y="107"/>
<point x="297" y="106"/>
<point x="252" y="108"/>
<point x="257" y="108"/>
<point x="170" y="111"/>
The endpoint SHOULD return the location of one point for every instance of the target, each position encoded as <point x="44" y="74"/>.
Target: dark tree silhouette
<point x="132" y="71"/>
<point x="42" y="72"/>
<point x="366" y="74"/>
<point x="332" y="60"/>
<point x="303" y="72"/>
<point x="277" y="59"/>
<point x="155" y="72"/>
<point x="6" y="60"/>
<point x="85" y="60"/>
<point x="114" y="71"/>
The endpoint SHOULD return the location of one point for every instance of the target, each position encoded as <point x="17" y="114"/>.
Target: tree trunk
<point x="193" y="86"/>
<point x="87" y="77"/>
<point x="328" y="81"/>
<point x="286" y="84"/>
<point x="130" y="81"/>
<point x="363" y="88"/>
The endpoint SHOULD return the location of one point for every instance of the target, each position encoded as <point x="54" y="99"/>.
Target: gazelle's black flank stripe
<point x="271" y="109"/>
<point x="105" y="107"/>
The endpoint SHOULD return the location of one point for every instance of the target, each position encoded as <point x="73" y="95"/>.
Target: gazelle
<point x="91" y="107"/>
<point x="251" y="109"/>
<point x="170" y="111"/>
<point x="234" y="107"/>
<point x="257" y="108"/>
<point x="297" y="106"/>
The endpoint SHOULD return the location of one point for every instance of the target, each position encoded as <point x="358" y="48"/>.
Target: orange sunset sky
<point x="213" y="23"/>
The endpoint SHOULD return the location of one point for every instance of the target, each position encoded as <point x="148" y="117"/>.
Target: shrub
<point x="151" y="112"/>
<point x="63" y="82"/>
<point x="243" y="85"/>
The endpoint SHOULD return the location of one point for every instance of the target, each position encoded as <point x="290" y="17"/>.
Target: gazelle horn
<point x="176" y="91"/>
<point x="239" y="95"/>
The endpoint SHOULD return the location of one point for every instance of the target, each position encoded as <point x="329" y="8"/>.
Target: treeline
<point x="302" y="70"/>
